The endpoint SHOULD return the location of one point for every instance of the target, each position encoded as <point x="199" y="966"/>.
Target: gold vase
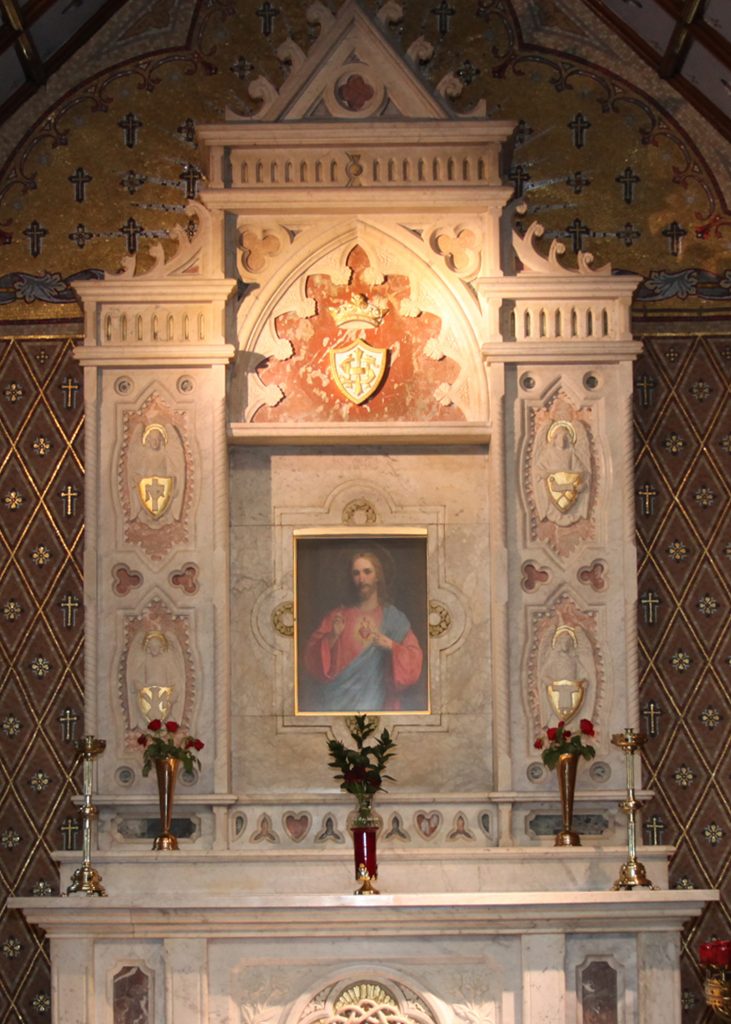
<point x="566" y="771"/>
<point x="166" y="769"/>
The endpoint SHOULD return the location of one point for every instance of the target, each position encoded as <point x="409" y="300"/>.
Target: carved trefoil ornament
<point x="155" y="477"/>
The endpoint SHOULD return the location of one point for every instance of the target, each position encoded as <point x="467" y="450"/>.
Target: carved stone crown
<point x="360" y="312"/>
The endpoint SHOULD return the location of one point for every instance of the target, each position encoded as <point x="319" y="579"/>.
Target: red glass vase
<point x="364" y="829"/>
<point x="364" y="851"/>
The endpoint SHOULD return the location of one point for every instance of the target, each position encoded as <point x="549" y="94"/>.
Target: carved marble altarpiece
<point x="352" y="336"/>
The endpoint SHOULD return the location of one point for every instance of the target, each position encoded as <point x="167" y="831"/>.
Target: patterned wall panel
<point x="41" y="635"/>
<point x="683" y="487"/>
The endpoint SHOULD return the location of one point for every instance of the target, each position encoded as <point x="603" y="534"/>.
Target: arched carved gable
<point x="295" y="325"/>
<point x="375" y="160"/>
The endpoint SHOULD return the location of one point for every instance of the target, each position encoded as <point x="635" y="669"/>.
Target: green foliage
<point x="163" y="740"/>
<point x="361" y="770"/>
<point x="563" y="741"/>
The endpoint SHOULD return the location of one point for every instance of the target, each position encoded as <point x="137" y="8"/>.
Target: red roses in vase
<point x="716" y="954"/>
<point x="559" y="740"/>
<point x="161" y="740"/>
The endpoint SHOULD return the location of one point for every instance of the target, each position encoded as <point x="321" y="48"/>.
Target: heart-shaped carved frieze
<point x="428" y="823"/>
<point x="296" y="825"/>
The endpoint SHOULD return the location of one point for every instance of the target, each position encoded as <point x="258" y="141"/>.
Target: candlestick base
<point x="86" y="879"/>
<point x="366" y="883"/>
<point x="632" y="875"/>
<point x="717" y="990"/>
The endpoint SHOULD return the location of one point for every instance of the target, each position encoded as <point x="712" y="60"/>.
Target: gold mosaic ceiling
<point x="109" y="167"/>
<point x="685" y="41"/>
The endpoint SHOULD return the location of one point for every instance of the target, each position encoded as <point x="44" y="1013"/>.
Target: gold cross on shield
<point x="358" y="369"/>
<point x="155" y="493"/>
<point x="566" y="697"/>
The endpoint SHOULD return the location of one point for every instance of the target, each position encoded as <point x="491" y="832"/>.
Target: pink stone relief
<point x="565" y="666"/>
<point x="412" y="381"/>
<point x="561" y="476"/>
<point x="156" y="671"/>
<point x="155" y="477"/>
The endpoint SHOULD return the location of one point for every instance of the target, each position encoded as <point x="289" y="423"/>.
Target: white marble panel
<point x="275" y="492"/>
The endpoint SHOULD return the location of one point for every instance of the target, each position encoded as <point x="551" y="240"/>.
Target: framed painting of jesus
<point x="361" y="621"/>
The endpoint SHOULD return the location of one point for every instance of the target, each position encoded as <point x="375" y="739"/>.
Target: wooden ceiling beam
<point x="19" y="25"/>
<point x="24" y="46"/>
<point x="680" y="40"/>
<point x="698" y="31"/>
<point x="712" y="40"/>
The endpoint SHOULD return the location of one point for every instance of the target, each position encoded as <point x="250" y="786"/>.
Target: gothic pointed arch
<point x="416" y="310"/>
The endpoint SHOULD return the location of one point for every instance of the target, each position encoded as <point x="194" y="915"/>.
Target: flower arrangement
<point x="716" y="954"/>
<point x="559" y="740"/>
<point x="361" y="770"/>
<point x="161" y="741"/>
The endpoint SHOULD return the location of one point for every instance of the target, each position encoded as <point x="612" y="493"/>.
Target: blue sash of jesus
<point x="362" y="685"/>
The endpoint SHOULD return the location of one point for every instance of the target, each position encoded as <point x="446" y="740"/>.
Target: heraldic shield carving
<point x="156" y="669"/>
<point x="565" y="671"/>
<point x="567" y="480"/>
<point x="155" y="493"/>
<point x="155" y="476"/>
<point x="564" y="488"/>
<point x="358" y="369"/>
<point x="565" y="665"/>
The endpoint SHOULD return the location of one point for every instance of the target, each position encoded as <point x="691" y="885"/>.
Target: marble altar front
<point x="480" y="958"/>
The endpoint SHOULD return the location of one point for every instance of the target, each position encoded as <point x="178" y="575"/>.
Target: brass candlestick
<point x="632" y="873"/>
<point x="86" y="878"/>
<point x="717" y="990"/>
